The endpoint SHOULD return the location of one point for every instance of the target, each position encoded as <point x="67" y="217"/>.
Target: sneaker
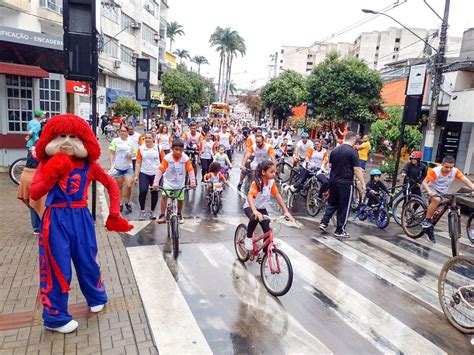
<point x="323" y="227"/>
<point x="152" y="215"/>
<point x="36" y="232"/>
<point x="180" y="218"/>
<point x="430" y="236"/>
<point x="142" y="216"/>
<point x="121" y="207"/>
<point x="248" y="244"/>
<point x="426" y="224"/>
<point x="343" y="235"/>
<point x="161" y="219"/>
<point x="128" y="206"/>
<point x="239" y="186"/>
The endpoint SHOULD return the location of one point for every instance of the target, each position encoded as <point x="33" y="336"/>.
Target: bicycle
<point x="400" y="198"/>
<point x="172" y="220"/>
<point x="214" y="200"/>
<point x="315" y="203"/>
<point x="273" y="264"/>
<point x="356" y="196"/>
<point x="111" y="132"/>
<point x="16" y="169"/>
<point x="283" y="169"/>
<point x="377" y="214"/>
<point x="414" y="213"/>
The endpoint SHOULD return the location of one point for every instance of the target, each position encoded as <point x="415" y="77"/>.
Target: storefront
<point x="30" y="79"/>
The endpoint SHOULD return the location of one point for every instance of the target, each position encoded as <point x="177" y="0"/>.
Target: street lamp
<point x="368" y="11"/>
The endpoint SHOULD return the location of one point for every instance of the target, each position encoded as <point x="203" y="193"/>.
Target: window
<point x="110" y="46"/>
<point x="126" y="55"/>
<point x="50" y="96"/>
<point x="397" y="40"/>
<point x="152" y="8"/>
<point x="148" y="34"/>
<point x="111" y="13"/>
<point x="161" y="53"/>
<point x="127" y="23"/>
<point x="282" y="51"/>
<point x="153" y="62"/>
<point x="19" y="102"/>
<point x="116" y="83"/>
<point x="309" y="63"/>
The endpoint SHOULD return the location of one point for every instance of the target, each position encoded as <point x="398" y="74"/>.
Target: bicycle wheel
<point x="283" y="174"/>
<point x="15" y="170"/>
<point x="216" y="204"/>
<point x="470" y="229"/>
<point x="109" y="136"/>
<point x="313" y="203"/>
<point x="456" y="292"/>
<point x="239" y="237"/>
<point x="356" y="199"/>
<point x="413" y="213"/>
<point x="294" y="175"/>
<point x="362" y="214"/>
<point x="277" y="282"/>
<point x="397" y="207"/>
<point x="175" y="235"/>
<point x="454" y="232"/>
<point x="383" y="219"/>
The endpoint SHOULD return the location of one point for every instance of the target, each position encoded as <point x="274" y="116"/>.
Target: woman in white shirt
<point x="165" y="139"/>
<point x="121" y="153"/>
<point x="148" y="160"/>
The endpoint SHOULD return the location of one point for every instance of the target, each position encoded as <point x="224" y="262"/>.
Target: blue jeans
<point x="35" y="220"/>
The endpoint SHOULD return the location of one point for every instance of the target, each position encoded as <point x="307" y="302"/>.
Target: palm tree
<point x="199" y="60"/>
<point x="228" y="43"/>
<point x="181" y="54"/>
<point x="173" y="29"/>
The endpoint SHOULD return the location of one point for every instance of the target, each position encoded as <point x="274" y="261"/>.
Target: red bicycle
<point x="275" y="266"/>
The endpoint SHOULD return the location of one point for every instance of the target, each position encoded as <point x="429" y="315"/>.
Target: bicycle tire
<point x="16" y="169"/>
<point x="383" y="219"/>
<point x="454" y="232"/>
<point x="312" y="202"/>
<point x="362" y="214"/>
<point x="397" y="217"/>
<point x="109" y="137"/>
<point x="469" y="231"/>
<point x="175" y="235"/>
<point x="441" y="291"/>
<point x="356" y="199"/>
<point x="411" y="223"/>
<point x="289" y="281"/>
<point x="283" y="168"/>
<point x="216" y="204"/>
<point x="240" y="233"/>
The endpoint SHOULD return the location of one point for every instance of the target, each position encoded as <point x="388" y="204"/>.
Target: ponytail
<point x="261" y="167"/>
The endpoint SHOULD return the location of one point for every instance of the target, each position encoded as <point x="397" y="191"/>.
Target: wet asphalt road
<point x="373" y="293"/>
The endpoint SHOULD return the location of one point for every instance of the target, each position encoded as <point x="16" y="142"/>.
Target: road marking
<point x="383" y="330"/>
<point x="171" y="321"/>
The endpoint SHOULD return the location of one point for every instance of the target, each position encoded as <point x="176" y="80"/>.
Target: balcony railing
<point x="51" y="5"/>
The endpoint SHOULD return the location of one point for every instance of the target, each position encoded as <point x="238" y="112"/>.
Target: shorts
<point x="179" y="195"/>
<point x="122" y="172"/>
<point x="362" y="163"/>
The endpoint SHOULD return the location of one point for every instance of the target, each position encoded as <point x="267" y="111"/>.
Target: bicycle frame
<point x="267" y="243"/>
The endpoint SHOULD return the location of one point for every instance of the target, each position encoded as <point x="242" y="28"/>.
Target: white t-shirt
<point x="224" y="139"/>
<point x="150" y="159"/>
<point x="164" y="140"/>
<point x="206" y="149"/>
<point x="124" y="152"/>
<point x="134" y="139"/>
<point x="303" y="148"/>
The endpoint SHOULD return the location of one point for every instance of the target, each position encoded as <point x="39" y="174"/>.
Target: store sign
<point x="36" y="39"/>
<point x="416" y="80"/>
<point x="77" y="87"/>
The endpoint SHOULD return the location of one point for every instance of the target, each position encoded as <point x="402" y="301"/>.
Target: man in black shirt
<point x="344" y="162"/>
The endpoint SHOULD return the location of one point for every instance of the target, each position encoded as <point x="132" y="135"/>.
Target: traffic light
<point x="142" y="84"/>
<point x="80" y="40"/>
<point x="412" y="109"/>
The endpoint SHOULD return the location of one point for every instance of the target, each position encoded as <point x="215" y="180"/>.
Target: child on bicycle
<point x="214" y="175"/>
<point x="173" y="168"/>
<point x="221" y="157"/>
<point x="374" y="187"/>
<point x="258" y="198"/>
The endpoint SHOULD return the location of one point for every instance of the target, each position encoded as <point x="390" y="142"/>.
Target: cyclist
<point x="225" y="138"/>
<point x="251" y="139"/>
<point x="221" y="157"/>
<point x="261" y="150"/>
<point x="281" y="148"/>
<point x="301" y="148"/>
<point x="437" y="182"/>
<point x="374" y="187"/>
<point x="414" y="171"/>
<point x="258" y="199"/>
<point x="173" y="169"/>
<point x="214" y="175"/>
<point x="275" y="140"/>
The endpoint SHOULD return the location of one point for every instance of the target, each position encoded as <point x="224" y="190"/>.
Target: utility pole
<point x="437" y="75"/>
<point x="275" y="67"/>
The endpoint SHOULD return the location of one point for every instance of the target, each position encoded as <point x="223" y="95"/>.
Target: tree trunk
<point x="220" y="76"/>
<point x="229" y="71"/>
<point x="199" y="69"/>
<point x="171" y="45"/>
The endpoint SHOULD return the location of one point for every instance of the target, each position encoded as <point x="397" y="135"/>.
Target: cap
<point x="38" y="113"/>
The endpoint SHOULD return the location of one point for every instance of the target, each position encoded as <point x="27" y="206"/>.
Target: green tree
<point x="253" y="102"/>
<point x="126" y="106"/>
<point x="344" y="90"/>
<point x="199" y="60"/>
<point x="283" y="92"/>
<point x="173" y="29"/>
<point x="181" y="54"/>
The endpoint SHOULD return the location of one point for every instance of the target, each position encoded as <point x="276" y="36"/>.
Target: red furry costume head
<point x="68" y="124"/>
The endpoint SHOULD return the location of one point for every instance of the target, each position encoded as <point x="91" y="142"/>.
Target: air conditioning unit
<point x="135" y="55"/>
<point x="135" y="25"/>
<point x="117" y="64"/>
<point x="157" y="37"/>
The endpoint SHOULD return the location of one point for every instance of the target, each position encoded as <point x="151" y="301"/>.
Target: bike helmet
<point x="416" y="154"/>
<point x="375" y="172"/>
<point x="305" y="135"/>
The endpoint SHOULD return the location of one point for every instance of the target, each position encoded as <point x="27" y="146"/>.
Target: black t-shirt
<point x="343" y="160"/>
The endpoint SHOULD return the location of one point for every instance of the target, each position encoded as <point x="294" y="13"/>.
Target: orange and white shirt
<point x="250" y="141"/>
<point x="316" y="159"/>
<point x="189" y="139"/>
<point x="225" y="139"/>
<point x="267" y="152"/>
<point x="262" y="198"/>
<point x="207" y="149"/>
<point x="165" y="140"/>
<point x="439" y="182"/>
<point x="174" y="171"/>
<point x="150" y="158"/>
<point x="214" y="178"/>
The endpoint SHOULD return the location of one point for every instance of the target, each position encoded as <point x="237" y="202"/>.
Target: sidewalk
<point x="121" y="328"/>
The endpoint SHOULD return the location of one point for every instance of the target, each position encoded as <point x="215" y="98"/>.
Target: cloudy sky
<point x="266" y="25"/>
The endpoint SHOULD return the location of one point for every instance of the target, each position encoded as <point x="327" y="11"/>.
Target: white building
<point x="304" y="59"/>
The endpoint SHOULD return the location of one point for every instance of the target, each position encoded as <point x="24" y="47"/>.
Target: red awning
<point x="23" y="70"/>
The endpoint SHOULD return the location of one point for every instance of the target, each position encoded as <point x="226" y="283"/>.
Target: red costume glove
<point x="116" y="223"/>
<point x="59" y="166"/>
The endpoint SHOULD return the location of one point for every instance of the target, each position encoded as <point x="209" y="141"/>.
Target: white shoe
<point x="98" y="308"/>
<point x="66" y="328"/>
<point x="248" y="244"/>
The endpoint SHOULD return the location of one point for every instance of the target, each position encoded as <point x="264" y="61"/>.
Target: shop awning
<point x="23" y="70"/>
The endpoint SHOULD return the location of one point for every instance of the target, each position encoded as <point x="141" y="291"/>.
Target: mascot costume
<point x="68" y="151"/>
